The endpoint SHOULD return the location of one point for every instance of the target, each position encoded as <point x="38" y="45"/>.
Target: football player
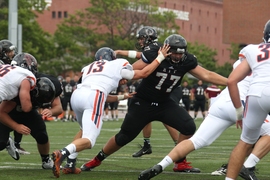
<point x="147" y="43"/>
<point x="32" y="121"/>
<point x="152" y="101"/>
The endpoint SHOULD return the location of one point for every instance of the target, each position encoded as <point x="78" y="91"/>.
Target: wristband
<point x="132" y="54"/>
<point x="160" y="58"/>
<point x="239" y="113"/>
<point x="120" y="97"/>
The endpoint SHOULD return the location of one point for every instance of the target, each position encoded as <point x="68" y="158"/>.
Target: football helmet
<point x="148" y="34"/>
<point x="266" y="32"/>
<point x="7" y="46"/>
<point x="105" y="53"/>
<point x="178" y="45"/>
<point x="43" y="93"/>
<point x="26" y="61"/>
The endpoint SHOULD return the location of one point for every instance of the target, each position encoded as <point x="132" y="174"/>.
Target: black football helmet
<point x="25" y="60"/>
<point x="178" y="45"/>
<point x="266" y="32"/>
<point x="7" y="46"/>
<point x="105" y="53"/>
<point x="43" y="93"/>
<point x="149" y="35"/>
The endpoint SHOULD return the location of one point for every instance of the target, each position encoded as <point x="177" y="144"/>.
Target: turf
<point x="121" y="165"/>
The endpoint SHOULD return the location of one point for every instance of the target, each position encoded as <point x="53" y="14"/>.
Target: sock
<point x="71" y="162"/>
<point x="147" y="142"/>
<point x="181" y="160"/>
<point x="251" y="161"/>
<point x="71" y="148"/>
<point x="228" y="178"/>
<point x="73" y="155"/>
<point x="45" y="158"/>
<point x="17" y="144"/>
<point x="165" y="162"/>
<point x="101" y="155"/>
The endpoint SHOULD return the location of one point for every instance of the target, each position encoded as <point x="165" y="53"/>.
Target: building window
<point x="207" y="13"/>
<point x="174" y="6"/>
<point x="53" y="15"/>
<point x="183" y="7"/>
<point x="207" y="29"/>
<point x="215" y="15"/>
<point x="165" y="4"/>
<point x="200" y="12"/>
<point x="190" y="27"/>
<point x="215" y="30"/>
<point x="65" y="14"/>
<point x="191" y="10"/>
<point x="59" y="14"/>
<point x="199" y="28"/>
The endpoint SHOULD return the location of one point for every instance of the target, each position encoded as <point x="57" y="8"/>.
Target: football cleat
<point x="57" y="161"/>
<point x="221" y="171"/>
<point x="144" y="150"/>
<point x="12" y="150"/>
<point x="184" y="166"/>
<point x="149" y="173"/>
<point x="91" y="164"/>
<point x="22" y="151"/>
<point x="71" y="169"/>
<point x="48" y="164"/>
<point x="248" y="173"/>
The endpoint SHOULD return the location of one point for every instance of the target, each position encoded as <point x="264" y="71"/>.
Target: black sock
<point x="181" y="160"/>
<point x="45" y="158"/>
<point x="147" y="142"/>
<point x="101" y="155"/>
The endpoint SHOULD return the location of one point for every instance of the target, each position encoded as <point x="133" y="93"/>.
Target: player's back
<point x="10" y="80"/>
<point x="259" y="61"/>
<point x="103" y="75"/>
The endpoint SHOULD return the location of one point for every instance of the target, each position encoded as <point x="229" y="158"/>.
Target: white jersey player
<point x="11" y="78"/>
<point x="256" y="59"/>
<point x="98" y="80"/>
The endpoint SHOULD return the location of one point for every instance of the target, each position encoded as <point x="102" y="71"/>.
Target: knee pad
<point x="121" y="139"/>
<point x="2" y="145"/>
<point x="42" y="138"/>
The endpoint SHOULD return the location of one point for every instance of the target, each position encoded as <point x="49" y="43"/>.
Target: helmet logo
<point x="178" y="50"/>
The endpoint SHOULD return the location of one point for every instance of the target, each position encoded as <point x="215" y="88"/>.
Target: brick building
<point x="199" y="20"/>
<point x="244" y="20"/>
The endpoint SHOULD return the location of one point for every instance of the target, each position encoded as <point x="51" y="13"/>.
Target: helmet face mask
<point x="266" y="32"/>
<point x="178" y="48"/>
<point x="105" y="53"/>
<point x="26" y="61"/>
<point x="8" y="51"/>
<point x="145" y="36"/>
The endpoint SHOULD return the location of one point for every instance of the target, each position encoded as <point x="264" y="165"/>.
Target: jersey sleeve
<point x="150" y="53"/>
<point x="127" y="71"/>
<point x="32" y="81"/>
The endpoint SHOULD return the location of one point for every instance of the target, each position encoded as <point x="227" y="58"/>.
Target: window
<point x="183" y="7"/>
<point x="199" y="28"/>
<point x="65" y="14"/>
<point x="183" y="25"/>
<point x="215" y="30"/>
<point x="190" y="27"/>
<point x="207" y="29"/>
<point x="53" y="15"/>
<point x="59" y="14"/>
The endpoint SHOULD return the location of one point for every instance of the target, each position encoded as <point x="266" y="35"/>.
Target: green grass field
<point x="121" y="165"/>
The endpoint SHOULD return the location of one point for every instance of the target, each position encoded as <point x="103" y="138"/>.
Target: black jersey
<point x="186" y="92"/>
<point x="199" y="91"/>
<point x="158" y="86"/>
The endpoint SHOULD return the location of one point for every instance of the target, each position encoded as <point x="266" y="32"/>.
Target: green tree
<point x="35" y="41"/>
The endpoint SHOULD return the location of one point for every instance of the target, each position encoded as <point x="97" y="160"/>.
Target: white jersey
<point x="105" y="75"/>
<point x="10" y="80"/>
<point x="243" y="85"/>
<point x="259" y="61"/>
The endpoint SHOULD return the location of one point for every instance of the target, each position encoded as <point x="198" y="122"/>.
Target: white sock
<point x="228" y="178"/>
<point x="165" y="162"/>
<point x="71" y="148"/>
<point x="73" y="155"/>
<point x="251" y="161"/>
